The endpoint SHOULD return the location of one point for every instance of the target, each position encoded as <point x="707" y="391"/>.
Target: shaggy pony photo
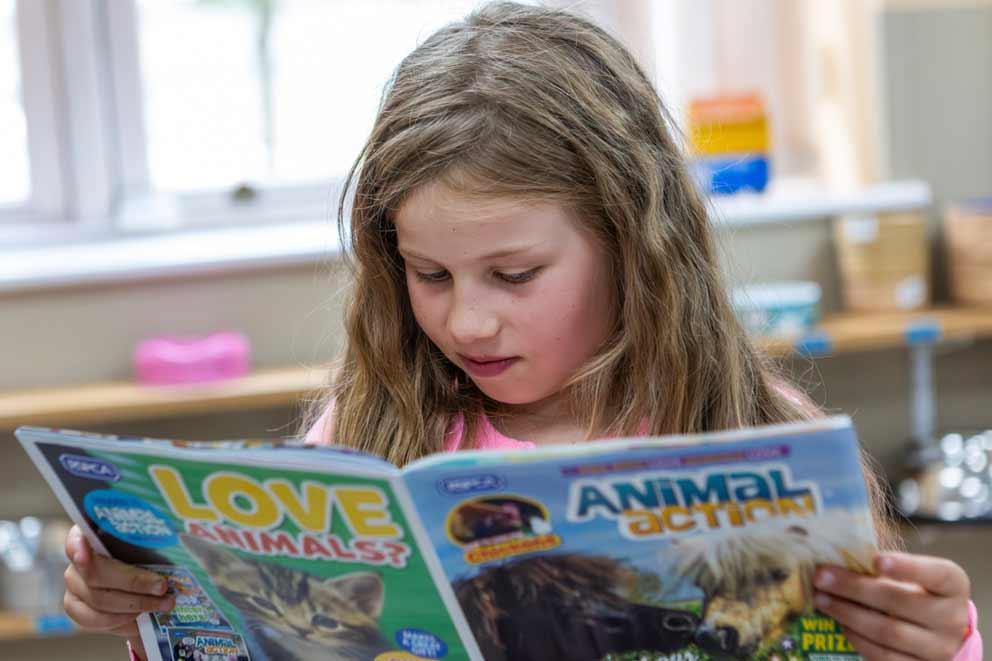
<point x="566" y="606"/>
<point x="755" y="580"/>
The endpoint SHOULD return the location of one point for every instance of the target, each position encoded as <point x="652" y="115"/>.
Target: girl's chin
<point x="506" y="395"/>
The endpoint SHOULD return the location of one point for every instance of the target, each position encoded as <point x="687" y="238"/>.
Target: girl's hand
<point x="106" y="595"/>
<point x="916" y="608"/>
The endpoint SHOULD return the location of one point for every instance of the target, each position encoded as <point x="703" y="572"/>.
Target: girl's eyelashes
<point x="435" y="277"/>
<point x="518" y="278"/>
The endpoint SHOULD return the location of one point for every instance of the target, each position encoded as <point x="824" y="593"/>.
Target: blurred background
<point x="169" y="174"/>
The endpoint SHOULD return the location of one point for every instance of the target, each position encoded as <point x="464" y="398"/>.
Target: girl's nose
<point x="468" y="322"/>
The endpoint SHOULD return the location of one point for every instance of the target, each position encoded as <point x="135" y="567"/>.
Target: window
<point x="154" y="115"/>
<point x="286" y="96"/>
<point x="14" y="177"/>
<point x="273" y="111"/>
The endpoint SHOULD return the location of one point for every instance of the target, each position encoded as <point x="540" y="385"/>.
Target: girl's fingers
<point x="873" y="652"/>
<point x="137" y="647"/>
<point x="93" y="620"/>
<point x="938" y="576"/>
<point x="99" y="571"/>
<point x="885" y="631"/>
<point x="906" y="601"/>
<point x="77" y="549"/>
<point x="114" y="601"/>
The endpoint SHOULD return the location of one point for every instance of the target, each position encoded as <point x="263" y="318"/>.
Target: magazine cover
<point x="681" y="548"/>
<point x="677" y="548"/>
<point x="274" y="554"/>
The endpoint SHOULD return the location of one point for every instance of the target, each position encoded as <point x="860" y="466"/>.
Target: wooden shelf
<point x="15" y="625"/>
<point x="849" y="332"/>
<point x="120" y="401"/>
<point x="116" y="402"/>
<point x="20" y="626"/>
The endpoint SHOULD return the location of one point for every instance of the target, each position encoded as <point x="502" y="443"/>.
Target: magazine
<point x="674" y="548"/>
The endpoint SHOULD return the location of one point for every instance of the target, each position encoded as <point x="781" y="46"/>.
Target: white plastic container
<point x="778" y="309"/>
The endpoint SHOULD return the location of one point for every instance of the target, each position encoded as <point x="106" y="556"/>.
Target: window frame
<point x="70" y="146"/>
<point x="40" y="71"/>
<point x="143" y="209"/>
<point x="82" y="95"/>
<point x="89" y="174"/>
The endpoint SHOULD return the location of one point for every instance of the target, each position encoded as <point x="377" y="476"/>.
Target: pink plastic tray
<point x="171" y="359"/>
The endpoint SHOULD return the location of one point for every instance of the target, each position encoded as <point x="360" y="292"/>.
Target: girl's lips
<point x="487" y="368"/>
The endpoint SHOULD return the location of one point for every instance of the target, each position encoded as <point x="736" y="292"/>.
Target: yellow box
<point x="728" y="125"/>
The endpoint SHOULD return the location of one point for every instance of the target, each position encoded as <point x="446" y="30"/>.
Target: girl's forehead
<point x="436" y="201"/>
<point x="435" y="208"/>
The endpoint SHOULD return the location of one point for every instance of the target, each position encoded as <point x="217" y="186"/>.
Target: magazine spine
<point x="435" y="568"/>
<point x="146" y="627"/>
<point x="149" y="637"/>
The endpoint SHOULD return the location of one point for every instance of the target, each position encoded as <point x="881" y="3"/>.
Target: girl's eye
<point x="518" y="278"/>
<point x="324" y="622"/>
<point x="436" y="276"/>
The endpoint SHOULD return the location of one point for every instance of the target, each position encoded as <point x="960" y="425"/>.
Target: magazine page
<point x="699" y="547"/>
<point x="273" y="553"/>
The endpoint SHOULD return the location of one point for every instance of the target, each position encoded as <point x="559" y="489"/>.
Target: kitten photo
<point x="292" y="615"/>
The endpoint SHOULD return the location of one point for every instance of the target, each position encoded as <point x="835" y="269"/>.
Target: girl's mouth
<point x="484" y="366"/>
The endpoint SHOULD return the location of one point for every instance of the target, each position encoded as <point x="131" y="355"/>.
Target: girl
<point x="533" y="262"/>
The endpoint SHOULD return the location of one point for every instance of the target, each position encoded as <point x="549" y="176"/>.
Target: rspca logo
<point x="456" y="486"/>
<point x="90" y="467"/>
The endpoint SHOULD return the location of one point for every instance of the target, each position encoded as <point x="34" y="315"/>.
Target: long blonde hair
<point x="536" y="103"/>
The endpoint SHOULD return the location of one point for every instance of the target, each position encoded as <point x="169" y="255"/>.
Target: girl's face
<point x="516" y="294"/>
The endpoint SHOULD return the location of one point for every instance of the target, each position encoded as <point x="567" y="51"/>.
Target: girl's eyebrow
<point x="506" y="252"/>
<point x="407" y="254"/>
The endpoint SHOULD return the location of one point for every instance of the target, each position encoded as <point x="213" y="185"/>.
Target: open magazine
<point x="683" y="547"/>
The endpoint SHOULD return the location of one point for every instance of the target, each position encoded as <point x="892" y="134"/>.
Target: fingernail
<point x="885" y="563"/>
<point x="79" y="554"/>
<point x="159" y="586"/>
<point x="166" y="604"/>
<point x="821" y="600"/>
<point x="824" y="579"/>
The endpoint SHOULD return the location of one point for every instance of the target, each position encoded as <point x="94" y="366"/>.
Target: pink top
<point x="971" y="650"/>
<point x="489" y="438"/>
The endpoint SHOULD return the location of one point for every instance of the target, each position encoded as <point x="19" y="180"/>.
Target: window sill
<point x="791" y="200"/>
<point x="258" y="247"/>
<point x="177" y="254"/>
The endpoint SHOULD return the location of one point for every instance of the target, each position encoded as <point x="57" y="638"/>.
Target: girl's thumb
<point x="76" y="547"/>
